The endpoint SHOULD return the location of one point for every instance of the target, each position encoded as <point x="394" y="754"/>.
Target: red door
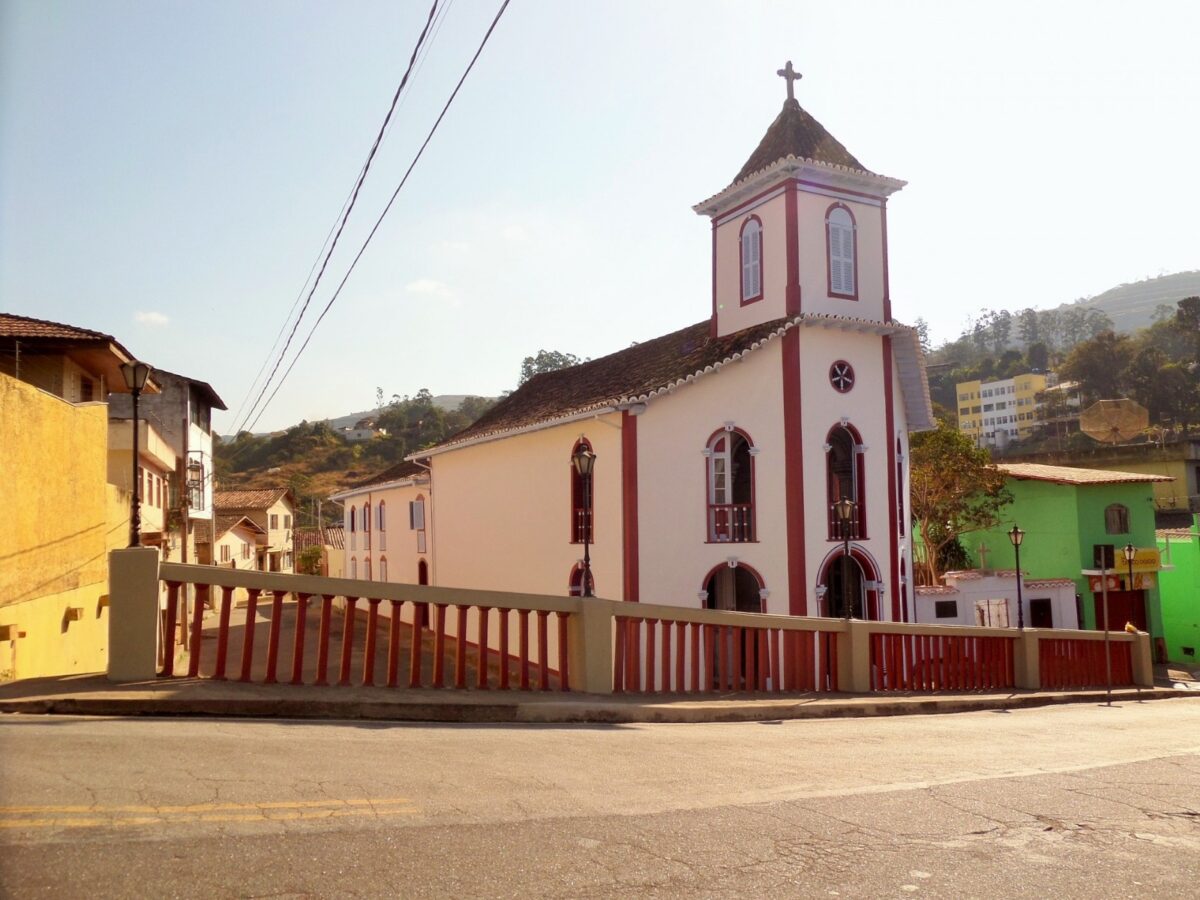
<point x="1123" y="606"/>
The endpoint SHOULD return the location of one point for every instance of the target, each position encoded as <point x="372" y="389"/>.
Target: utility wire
<point x="348" y="209"/>
<point x="383" y="214"/>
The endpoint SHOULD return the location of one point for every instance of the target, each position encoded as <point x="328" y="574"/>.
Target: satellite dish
<point x="1113" y="421"/>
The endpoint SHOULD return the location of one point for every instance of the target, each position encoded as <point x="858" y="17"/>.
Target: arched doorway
<point x="849" y="581"/>
<point x="736" y="588"/>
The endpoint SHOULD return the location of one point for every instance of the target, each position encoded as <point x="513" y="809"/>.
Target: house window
<point x="1116" y="519"/>
<point x="353" y="528"/>
<point x="274" y="521"/>
<point x="381" y="515"/>
<point x="845" y="476"/>
<point x="353" y="567"/>
<point x="367" y="569"/>
<point x="946" y="609"/>
<point x="582" y="501"/>
<point x="366" y="527"/>
<point x="416" y="521"/>
<point x="224" y="553"/>
<point x="287" y="521"/>
<point x="245" y="551"/>
<point x="730" y="486"/>
<point x="750" y="244"/>
<point x="841" y="240"/>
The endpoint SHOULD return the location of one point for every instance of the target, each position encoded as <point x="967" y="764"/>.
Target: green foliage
<point x="546" y="361"/>
<point x="308" y="561"/>
<point x="955" y="491"/>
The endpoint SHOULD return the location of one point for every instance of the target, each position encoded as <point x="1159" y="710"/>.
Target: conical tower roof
<point x="795" y="133"/>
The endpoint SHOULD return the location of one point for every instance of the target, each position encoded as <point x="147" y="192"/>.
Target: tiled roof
<point x="795" y="133"/>
<point x="309" y="536"/>
<point x="214" y="399"/>
<point x="203" y="530"/>
<point x="1069" y="475"/>
<point x="26" y="328"/>
<point x="657" y="366"/>
<point x="253" y="499"/>
<point x="1176" y="533"/>
<point x="935" y="590"/>
<point x="404" y="469"/>
<point x="1049" y="582"/>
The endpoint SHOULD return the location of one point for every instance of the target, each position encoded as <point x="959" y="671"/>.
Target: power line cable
<point x="362" y="175"/>
<point x="386" y="209"/>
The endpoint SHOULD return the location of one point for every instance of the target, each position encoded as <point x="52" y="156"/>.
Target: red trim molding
<point x="792" y="218"/>
<point x="762" y="269"/>
<point x="853" y="295"/>
<point x="889" y="416"/>
<point x="762" y="585"/>
<point x="887" y="291"/>
<point x="712" y="330"/>
<point x="793" y="477"/>
<point x="629" y="505"/>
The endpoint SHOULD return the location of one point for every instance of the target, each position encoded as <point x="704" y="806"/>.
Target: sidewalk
<point x="95" y="695"/>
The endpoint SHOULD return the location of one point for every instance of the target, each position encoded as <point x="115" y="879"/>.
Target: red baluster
<point x="504" y="613"/>
<point x="168" y="669"/>
<point x="223" y="634"/>
<point x="298" y="643"/>
<point x="323" y="640"/>
<point x="197" y="630"/>
<point x="460" y="649"/>
<point x="273" y="636"/>
<point x="564" y="674"/>
<point x="543" y="651"/>
<point x="619" y="658"/>
<point x="393" y="663"/>
<point x="368" y="674"/>
<point x="523" y="649"/>
<point x="347" y="642"/>
<point x="651" y="625"/>
<point x="439" y="647"/>
<point x="484" y="652"/>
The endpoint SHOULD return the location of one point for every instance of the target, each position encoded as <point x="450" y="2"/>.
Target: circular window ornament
<point x="841" y="376"/>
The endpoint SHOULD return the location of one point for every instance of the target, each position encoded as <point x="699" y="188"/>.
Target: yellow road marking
<point x="207" y="807"/>
<point x="268" y="811"/>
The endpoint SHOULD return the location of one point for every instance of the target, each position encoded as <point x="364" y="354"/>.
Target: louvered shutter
<point x="841" y="252"/>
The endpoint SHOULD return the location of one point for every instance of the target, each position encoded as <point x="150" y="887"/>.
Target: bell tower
<point x="801" y="229"/>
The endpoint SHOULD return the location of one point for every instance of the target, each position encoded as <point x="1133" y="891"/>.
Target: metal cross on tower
<point x="984" y="550"/>
<point x="787" y="72"/>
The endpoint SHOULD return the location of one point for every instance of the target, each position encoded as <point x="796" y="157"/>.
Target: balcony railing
<point x="582" y="528"/>
<point x="733" y="522"/>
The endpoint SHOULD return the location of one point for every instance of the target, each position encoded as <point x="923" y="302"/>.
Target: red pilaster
<point x="793" y="465"/>
<point x="889" y="417"/>
<point x="629" y="505"/>
<point x="887" y="291"/>
<point x="792" y="218"/>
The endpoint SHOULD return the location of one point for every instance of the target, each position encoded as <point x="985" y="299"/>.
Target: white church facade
<point x="720" y="448"/>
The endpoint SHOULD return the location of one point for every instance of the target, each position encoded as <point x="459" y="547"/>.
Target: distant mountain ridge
<point x="447" y="402"/>
<point x="1131" y="306"/>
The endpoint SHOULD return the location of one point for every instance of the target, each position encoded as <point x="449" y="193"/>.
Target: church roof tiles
<point x="649" y="369"/>
<point x="796" y="133"/>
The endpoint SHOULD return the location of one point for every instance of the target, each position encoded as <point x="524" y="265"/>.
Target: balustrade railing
<point x="733" y="522"/>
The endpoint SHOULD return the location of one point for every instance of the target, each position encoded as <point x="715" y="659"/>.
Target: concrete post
<point x="1027" y="664"/>
<point x="133" y="614"/>
<point x="590" y="633"/>
<point x="1141" y="655"/>
<point x="854" y="658"/>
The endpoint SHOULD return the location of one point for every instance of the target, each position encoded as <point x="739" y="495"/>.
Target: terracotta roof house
<point x="271" y="509"/>
<point x="721" y="448"/>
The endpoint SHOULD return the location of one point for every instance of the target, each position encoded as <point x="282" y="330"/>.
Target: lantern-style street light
<point x="584" y="461"/>
<point x="845" y="509"/>
<point x="1130" y="552"/>
<point x="135" y="374"/>
<point x="1016" y="535"/>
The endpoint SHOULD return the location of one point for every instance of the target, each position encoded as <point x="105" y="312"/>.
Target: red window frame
<point x="583" y="521"/>
<point x="745" y="300"/>
<point x="728" y="523"/>
<point x="843" y="295"/>
<point x="858" y="527"/>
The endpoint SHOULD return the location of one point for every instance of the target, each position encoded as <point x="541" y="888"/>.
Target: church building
<point x="723" y="448"/>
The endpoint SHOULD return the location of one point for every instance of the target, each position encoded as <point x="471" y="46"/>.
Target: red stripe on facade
<point x="792" y="287"/>
<point x="793" y="479"/>
<point x="893" y="507"/>
<point x="629" y="504"/>
<point x="887" y="291"/>
<point x="712" y="329"/>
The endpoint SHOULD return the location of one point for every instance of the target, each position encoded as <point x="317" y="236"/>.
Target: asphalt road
<point x="1074" y="801"/>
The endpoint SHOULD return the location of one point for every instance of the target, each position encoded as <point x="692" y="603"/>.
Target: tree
<point x="955" y="491"/>
<point x="1037" y="357"/>
<point x="1187" y="319"/>
<point x="922" y="328"/>
<point x="1001" y="330"/>
<point x="1027" y="327"/>
<point x="1163" y="312"/>
<point x="546" y="361"/>
<point x="1099" y="365"/>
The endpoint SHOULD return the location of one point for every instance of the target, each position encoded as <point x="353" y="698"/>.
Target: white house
<point x="386" y="533"/>
<point x="990" y="598"/>
<point x="721" y="447"/>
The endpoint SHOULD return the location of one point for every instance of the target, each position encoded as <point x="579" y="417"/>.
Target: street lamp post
<point x="584" y="461"/>
<point x="1016" y="535"/>
<point x="845" y="512"/>
<point x="135" y="374"/>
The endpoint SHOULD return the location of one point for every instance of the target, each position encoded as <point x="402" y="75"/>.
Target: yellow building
<point x="993" y="413"/>
<point x="61" y="516"/>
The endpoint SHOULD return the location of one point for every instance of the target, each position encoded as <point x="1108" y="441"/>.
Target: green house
<point x="1065" y="514"/>
<point x="1180" y="589"/>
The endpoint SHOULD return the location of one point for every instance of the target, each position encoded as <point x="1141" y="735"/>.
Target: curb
<point x="554" y="712"/>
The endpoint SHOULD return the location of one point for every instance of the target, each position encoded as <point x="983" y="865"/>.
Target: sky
<point x="170" y="171"/>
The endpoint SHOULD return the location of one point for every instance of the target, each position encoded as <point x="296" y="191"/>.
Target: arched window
<point x="730" y="455"/>
<point x="353" y="567"/>
<point x="575" y="582"/>
<point x="367" y="568"/>
<point x="845" y="476"/>
<point x="366" y="527"/>
<point x="1116" y="519"/>
<point x="583" y="500"/>
<point x="381" y="515"/>
<point x="353" y="528"/>
<point x="422" y="572"/>
<point x="750" y="246"/>
<point x="383" y="568"/>
<point x="843" y="249"/>
<point x="416" y="520"/>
